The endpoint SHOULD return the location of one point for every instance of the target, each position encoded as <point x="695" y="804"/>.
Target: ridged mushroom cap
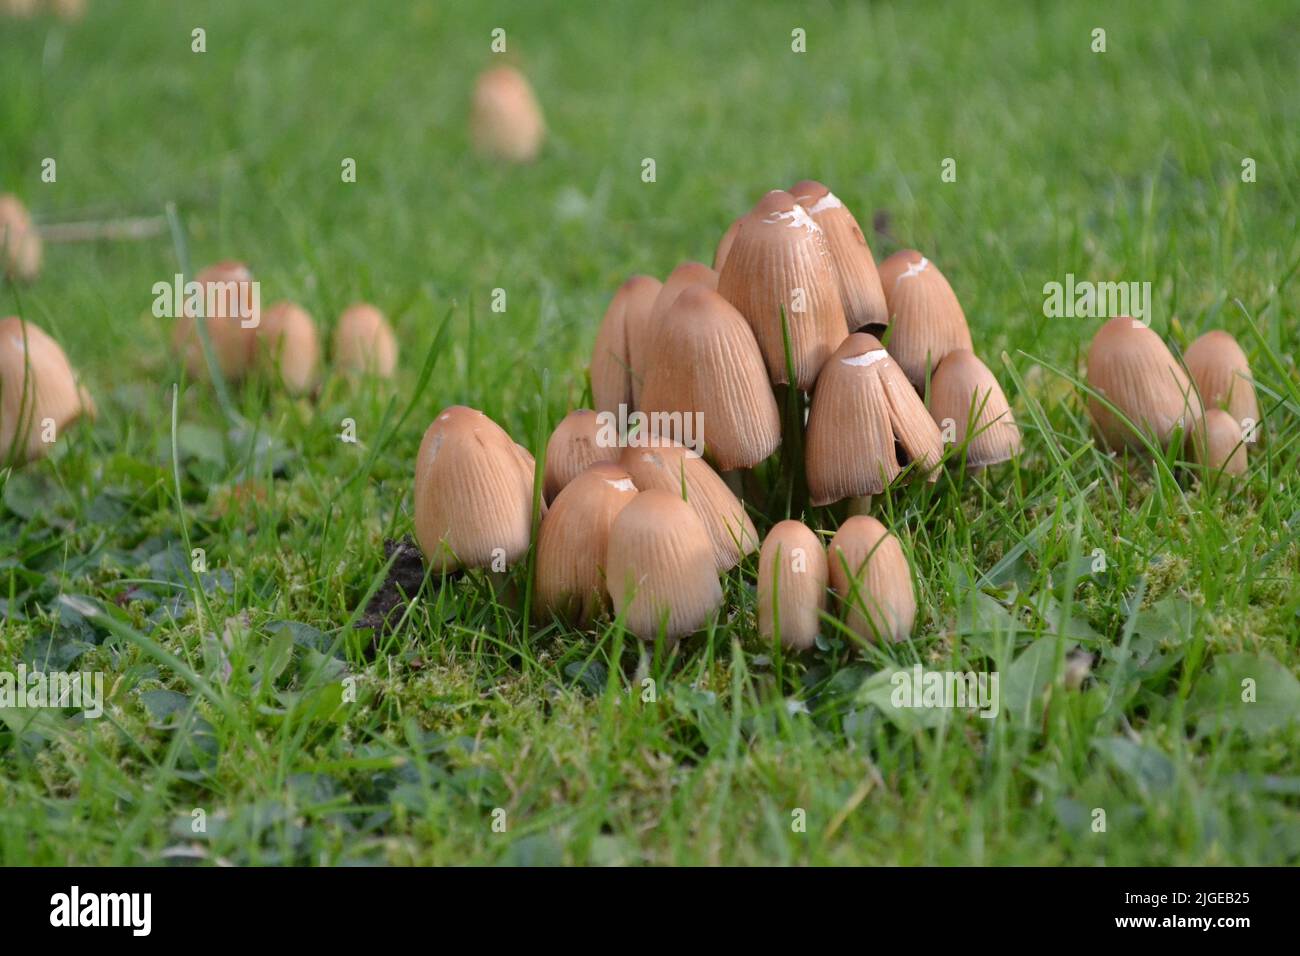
<point x="1217" y="443"/>
<point x="37" y="388"/>
<point x="506" y="122"/>
<point x="779" y="260"/>
<point x="471" y="494"/>
<point x="575" y="445"/>
<point x="855" y="267"/>
<point x="647" y="346"/>
<point x="965" y="391"/>
<point x="712" y="366"/>
<point x="870" y="573"/>
<point x="792" y="577"/>
<point x="573" y="541"/>
<point x="364" y="342"/>
<point x="724" y="245"/>
<point x="659" y="567"/>
<point x="926" y="320"/>
<point x="229" y="302"/>
<point x="626" y="322"/>
<point x="1132" y="367"/>
<point x="288" y="344"/>
<point x="20" y="242"/>
<point x="1221" y="372"/>
<point x="667" y="467"/>
<point x="862" y="406"/>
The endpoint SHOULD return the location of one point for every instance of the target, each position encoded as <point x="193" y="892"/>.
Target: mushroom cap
<point x="646" y="345"/>
<point x="926" y="320"/>
<point x="778" y="261"/>
<point x="1217" y="443"/>
<point x="288" y="344"/>
<point x="506" y="122"/>
<point x="36" y="384"/>
<point x="229" y="309"/>
<point x="870" y="573"/>
<point x="667" y="467"/>
<point x="1132" y="367"/>
<point x="963" y="388"/>
<point x="575" y="445"/>
<point x="862" y="406"/>
<point x="364" y="341"/>
<point x="659" y="567"/>
<point x="20" y="241"/>
<point x="792" y="577"/>
<point x="473" y="502"/>
<point x="724" y="245"/>
<point x="1221" y="372"/>
<point x="573" y="541"/>
<point x="855" y="267"/>
<point x="712" y="367"/>
<point x="626" y="323"/>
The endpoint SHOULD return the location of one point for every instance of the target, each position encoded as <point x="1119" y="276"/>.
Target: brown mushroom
<point x="870" y="573"/>
<point x="506" y="122"/>
<point x="855" y="267"/>
<point x="39" y="396"/>
<point x="792" y="576"/>
<point x="965" y="393"/>
<point x="364" y="342"/>
<point x="575" y="445"/>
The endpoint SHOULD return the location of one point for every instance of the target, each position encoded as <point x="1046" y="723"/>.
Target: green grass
<point x="225" y="691"/>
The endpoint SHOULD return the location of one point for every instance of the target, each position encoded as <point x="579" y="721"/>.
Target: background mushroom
<point x="364" y="342"/>
<point x="862" y="406"/>
<point x="1221" y="372"/>
<point x="926" y="321"/>
<point x="792" y="577"/>
<point x="20" y="242"/>
<point x="964" y="391"/>
<point x="870" y="573"/>
<point x="779" y="261"/>
<point x="712" y="366"/>
<point x="1133" y="369"/>
<point x="288" y="344"/>
<point x="660" y="567"/>
<point x="573" y="447"/>
<point x="473" y="503"/>
<point x="573" y="541"/>
<point x="855" y="267"/>
<point x="229" y="301"/>
<point x="39" y="396"/>
<point x="626" y="320"/>
<point x="506" y="122"/>
<point x="1216" y="443"/>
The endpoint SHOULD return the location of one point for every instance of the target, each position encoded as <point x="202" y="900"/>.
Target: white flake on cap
<point x="866" y="358"/>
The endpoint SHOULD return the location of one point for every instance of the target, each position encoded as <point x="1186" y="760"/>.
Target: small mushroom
<point x="711" y="366"/>
<point x="1131" y="367"/>
<point x="855" y="267"/>
<point x="228" y="305"/>
<point x="863" y="410"/>
<point x="573" y="541"/>
<point x="965" y="392"/>
<point x="870" y="573"/>
<point x="724" y="245"/>
<point x="364" y="342"/>
<point x="779" y="262"/>
<point x="575" y="445"/>
<point x="507" y="122"/>
<point x="673" y="468"/>
<point x="20" y="242"/>
<point x="792" y="576"/>
<point x="1221" y="372"/>
<point x="288" y="345"/>
<point x="625" y="323"/>
<point x="925" y="319"/>
<point x="39" y="396"/>
<point x="473" y="497"/>
<point x="660" y="568"/>
<point x="1217" y="443"/>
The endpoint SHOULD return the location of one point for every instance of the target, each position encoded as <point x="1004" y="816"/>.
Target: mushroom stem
<point x="792" y="483"/>
<point x="859" y="505"/>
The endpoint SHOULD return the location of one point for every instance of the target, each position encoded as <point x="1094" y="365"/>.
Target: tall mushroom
<point x="574" y="446"/>
<point x="855" y="267"/>
<point x="926" y="321"/>
<point x="870" y="573"/>
<point x="965" y="393"/>
<point x="660" y="568"/>
<point x="779" y="263"/>
<point x="646" y="344"/>
<point x="39" y="396"/>
<point x="364" y="342"/>
<point x="506" y="122"/>
<point x="228" y="304"/>
<point x="862" y="407"/>
<point x="792" y="576"/>
<point x="712" y="367"/>
<point x="625" y="324"/>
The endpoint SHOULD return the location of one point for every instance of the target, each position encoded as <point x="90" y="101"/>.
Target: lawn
<point x="260" y="711"/>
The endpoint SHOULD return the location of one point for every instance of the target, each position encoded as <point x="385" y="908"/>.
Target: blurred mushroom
<point x="507" y="122"/>
<point x="660" y="569"/>
<point x="574" y="446"/>
<point x="870" y="573"/>
<point x="364" y="342"/>
<point x="473" y="503"/>
<point x="712" y="368"/>
<point x="964" y="391"/>
<point x="626" y="322"/>
<point x="779" y="262"/>
<point x="39" y="396"/>
<point x="855" y="267"/>
<point x="573" y="541"/>
<point x="1217" y="443"/>
<point x="792" y="576"/>
<point x="1221" y="372"/>
<point x="1130" y="366"/>
<point x="863" y="405"/>
<point x="20" y="242"/>
<point x="228" y="304"/>
<point x="289" y="346"/>
<point x="925" y="319"/>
